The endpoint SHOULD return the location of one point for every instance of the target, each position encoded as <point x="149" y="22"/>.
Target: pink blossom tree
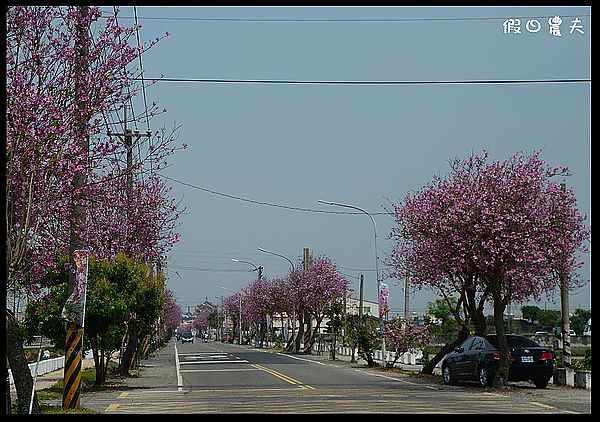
<point x="402" y="336"/>
<point x="51" y="117"/>
<point x="172" y="312"/>
<point x="283" y="305"/>
<point x="298" y="293"/>
<point x="323" y="284"/>
<point x="502" y="230"/>
<point x="231" y="305"/>
<point x="257" y="306"/>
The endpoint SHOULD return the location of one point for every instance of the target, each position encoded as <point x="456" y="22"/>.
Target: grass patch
<point x="55" y="391"/>
<point x="88" y="383"/>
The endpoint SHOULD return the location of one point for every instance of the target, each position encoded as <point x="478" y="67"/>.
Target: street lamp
<point x="240" y="318"/>
<point x="259" y="269"/>
<point x="274" y="253"/>
<point x="381" y="325"/>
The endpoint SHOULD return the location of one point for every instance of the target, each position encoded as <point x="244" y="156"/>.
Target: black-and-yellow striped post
<point x="146" y="347"/>
<point x="306" y="338"/>
<point x="72" y="372"/>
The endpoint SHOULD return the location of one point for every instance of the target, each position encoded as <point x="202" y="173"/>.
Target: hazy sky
<point x="291" y="144"/>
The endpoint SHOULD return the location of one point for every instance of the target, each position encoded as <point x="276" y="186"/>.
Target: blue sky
<point x="359" y="144"/>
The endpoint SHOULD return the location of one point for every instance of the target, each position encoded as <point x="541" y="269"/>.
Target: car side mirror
<point x="459" y="350"/>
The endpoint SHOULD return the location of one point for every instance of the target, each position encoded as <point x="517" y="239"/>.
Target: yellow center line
<point x="283" y="377"/>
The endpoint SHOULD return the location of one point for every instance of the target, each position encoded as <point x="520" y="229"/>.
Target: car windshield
<point x="186" y="335"/>
<point x="513" y="341"/>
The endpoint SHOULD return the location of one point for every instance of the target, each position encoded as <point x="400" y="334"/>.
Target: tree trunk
<point x="99" y="365"/>
<point x="313" y="337"/>
<point x="447" y="348"/>
<point x="19" y="367"/>
<point x="333" y="345"/>
<point x="300" y="332"/>
<point x="127" y="362"/>
<point x="369" y="357"/>
<point x="308" y="344"/>
<point x="502" y="373"/>
<point x="7" y="394"/>
<point x="475" y="313"/>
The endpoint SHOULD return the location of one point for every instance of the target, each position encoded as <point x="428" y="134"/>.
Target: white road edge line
<point x="177" y="368"/>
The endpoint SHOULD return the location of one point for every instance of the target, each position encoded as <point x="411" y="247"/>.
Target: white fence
<point x="407" y="358"/>
<point x="47" y="365"/>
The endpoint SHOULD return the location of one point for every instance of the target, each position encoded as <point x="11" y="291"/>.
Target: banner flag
<point x="74" y="309"/>
<point x="384" y="295"/>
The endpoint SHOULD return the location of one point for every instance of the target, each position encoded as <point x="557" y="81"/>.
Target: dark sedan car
<point x="477" y="359"/>
<point x="187" y="337"/>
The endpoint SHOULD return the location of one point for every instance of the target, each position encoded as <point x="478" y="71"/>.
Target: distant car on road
<point x="187" y="337"/>
<point x="478" y="357"/>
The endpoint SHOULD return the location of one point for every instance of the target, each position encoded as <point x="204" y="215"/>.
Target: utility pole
<point x="360" y="302"/>
<point x="127" y="137"/>
<point x="564" y="305"/>
<point x="75" y="318"/>
<point x="307" y="318"/>
<point x="406" y="297"/>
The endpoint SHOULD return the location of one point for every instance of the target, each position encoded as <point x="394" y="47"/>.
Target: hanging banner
<point x="74" y="309"/>
<point x="384" y="295"/>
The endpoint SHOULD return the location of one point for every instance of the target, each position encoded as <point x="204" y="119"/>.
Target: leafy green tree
<point x="548" y="319"/>
<point x="115" y="288"/>
<point x="144" y="293"/>
<point x="334" y="312"/>
<point x="442" y="310"/>
<point x="531" y="313"/>
<point x="579" y="319"/>
<point x="363" y="333"/>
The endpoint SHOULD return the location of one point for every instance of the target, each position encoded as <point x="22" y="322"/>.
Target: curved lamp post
<point x="381" y="325"/>
<point x="259" y="269"/>
<point x="282" y="256"/>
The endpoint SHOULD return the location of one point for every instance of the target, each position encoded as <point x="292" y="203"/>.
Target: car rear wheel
<point x="485" y="378"/>
<point x="541" y="382"/>
<point x="447" y="375"/>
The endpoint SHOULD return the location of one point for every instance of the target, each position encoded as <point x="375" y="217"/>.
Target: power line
<point x="366" y="82"/>
<point x="342" y="20"/>
<point x="265" y="203"/>
<point x="184" y="267"/>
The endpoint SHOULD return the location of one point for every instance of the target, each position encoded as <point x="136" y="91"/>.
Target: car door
<point x="459" y="368"/>
<point x="473" y="355"/>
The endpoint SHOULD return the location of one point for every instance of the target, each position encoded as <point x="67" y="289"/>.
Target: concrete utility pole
<point x="564" y="306"/>
<point x="360" y="302"/>
<point x="307" y="318"/>
<point x="75" y="323"/>
<point x="566" y="324"/>
<point x="127" y="137"/>
<point x="406" y="297"/>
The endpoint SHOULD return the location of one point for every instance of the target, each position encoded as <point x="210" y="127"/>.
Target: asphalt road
<point x="223" y="378"/>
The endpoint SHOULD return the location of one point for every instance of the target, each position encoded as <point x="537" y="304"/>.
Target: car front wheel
<point x="447" y="375"/>
<point x="485" y="378"/>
